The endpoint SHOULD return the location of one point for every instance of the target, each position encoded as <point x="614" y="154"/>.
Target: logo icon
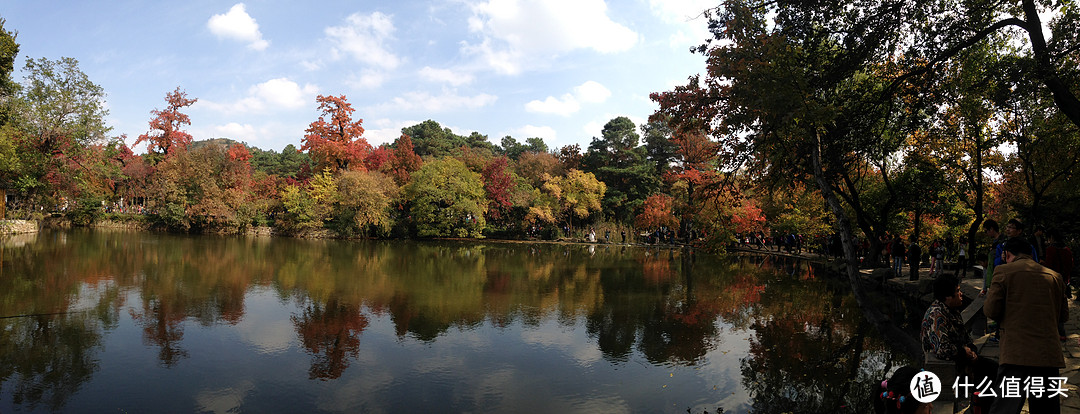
<point x="925" y="387"/>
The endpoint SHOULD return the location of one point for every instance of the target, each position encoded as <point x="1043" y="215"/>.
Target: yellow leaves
<point x="541" y="214"/>
<point x="322" y="187"/>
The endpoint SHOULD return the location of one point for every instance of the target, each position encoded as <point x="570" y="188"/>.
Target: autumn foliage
<point x="335" y="140"/>
<point x="658" y="211"/>
<point x="166" y="136"/>
<point x="403" y="161"/>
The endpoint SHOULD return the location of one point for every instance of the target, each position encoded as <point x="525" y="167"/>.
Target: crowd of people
<point x="1026" y="289"/>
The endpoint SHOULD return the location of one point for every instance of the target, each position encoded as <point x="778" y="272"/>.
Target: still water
<point x="106" y="321"/>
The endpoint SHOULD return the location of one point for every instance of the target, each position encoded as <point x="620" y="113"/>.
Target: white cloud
<point x="367" y="79"/>
<point x="565" y="106"/>
<point x="530" y="131"/>
<point x="449" y="100"/>
<point x="274" y="94"/>
<point x="517" y="32"/>
<point x="445" y="76"/>
<point x="681" y="11"/>
<point x="384" y="131"/>
<point x="236" y="24"/>
<point x="364" y="38"/>
<point x="234" y="131"/>
<point x="588" y="92"/>
<point x="593" y="129"/>
<point x="506" y="62"/>
<point x="284" y="93"/>
<point x="592" y="92"/>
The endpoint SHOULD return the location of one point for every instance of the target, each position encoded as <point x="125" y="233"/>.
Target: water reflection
<point x="595" y="326"/>
<point x="331" y="333"/>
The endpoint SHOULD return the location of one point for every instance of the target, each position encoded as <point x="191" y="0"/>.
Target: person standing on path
<point x="914" y="258"/>
<point x="993" y="232"/>
<point x="961" y="259"/>
<point x="897" y="251"/>
<point x="1027" y="299"/>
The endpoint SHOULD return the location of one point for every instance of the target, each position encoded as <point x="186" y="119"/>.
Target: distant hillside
<point x="224" y="142"/>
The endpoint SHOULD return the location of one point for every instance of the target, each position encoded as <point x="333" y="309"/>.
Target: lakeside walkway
<point x="970" y="288"/>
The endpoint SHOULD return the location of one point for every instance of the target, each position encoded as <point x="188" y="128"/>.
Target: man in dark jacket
<point x="914" y="258"/>
<point x="1027" y="300"/>
<point x="897" y="251"/>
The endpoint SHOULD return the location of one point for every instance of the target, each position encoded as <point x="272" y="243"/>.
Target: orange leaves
<point x="404" y="160"/>
<point x="165" y="136"/>
<point x="239" y="152"/>
<point x="497" y="184"/>
<point x="748" y="217"/>
<point x="658" y="211"/>
<point x="336" y="142"/>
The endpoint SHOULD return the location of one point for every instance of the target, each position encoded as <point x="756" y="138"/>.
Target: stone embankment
<point x="18" y="226"/>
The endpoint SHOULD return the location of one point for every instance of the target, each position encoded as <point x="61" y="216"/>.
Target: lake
<point x="118" y="321"/>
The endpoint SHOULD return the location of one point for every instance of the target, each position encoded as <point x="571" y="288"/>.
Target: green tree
<point x="9" y="50"/>
<point x="511" y="148"/>
<point x="289" y="163"/>
<point x="365" y="203"/>
<point x="308" y="207"/>
<point x="432" y="140"/>
<point x="923" y="188"/>
<point x="1047" y="148"/>
<point x="59" y="114"/>
<point x="660" y="149"/>
<point x="617" y="160"/>
<point x="790" y="94"/>
<point x="447" y="199"/>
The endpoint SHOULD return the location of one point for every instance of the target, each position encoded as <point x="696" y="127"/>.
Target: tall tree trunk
<point x="918" y="225"/>
<point x="978" y="207"/>
<point x="874" y="315"/>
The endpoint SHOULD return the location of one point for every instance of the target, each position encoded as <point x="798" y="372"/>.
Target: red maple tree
<point x="165" y="136"/>
<point x="336" y="142"/>
<point x="404" y="160"/>
<point x="498" y="183"/>
<point x="658" y="211"/>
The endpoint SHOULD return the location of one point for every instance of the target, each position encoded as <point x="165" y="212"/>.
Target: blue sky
<point x="556" y="69"/>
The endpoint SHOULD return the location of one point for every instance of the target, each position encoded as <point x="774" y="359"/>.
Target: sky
<point x="555" y="69"/>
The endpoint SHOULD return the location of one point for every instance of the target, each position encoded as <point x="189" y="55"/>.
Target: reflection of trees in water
<point x="331" y="333"/>
<point x="47" y="354"/>
<point x="790" y="369"/>
<point x="810" y="352"/>
<point x="665" y="304"/>
<point x="45" y="359"/>
<point x="659" y="307"/>
<point x="163" y="326"/>
<point x="204" y="280"/>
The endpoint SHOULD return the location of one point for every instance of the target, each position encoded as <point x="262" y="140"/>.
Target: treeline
<point x="57" y="155"/>
<point x="828" y="135"/>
